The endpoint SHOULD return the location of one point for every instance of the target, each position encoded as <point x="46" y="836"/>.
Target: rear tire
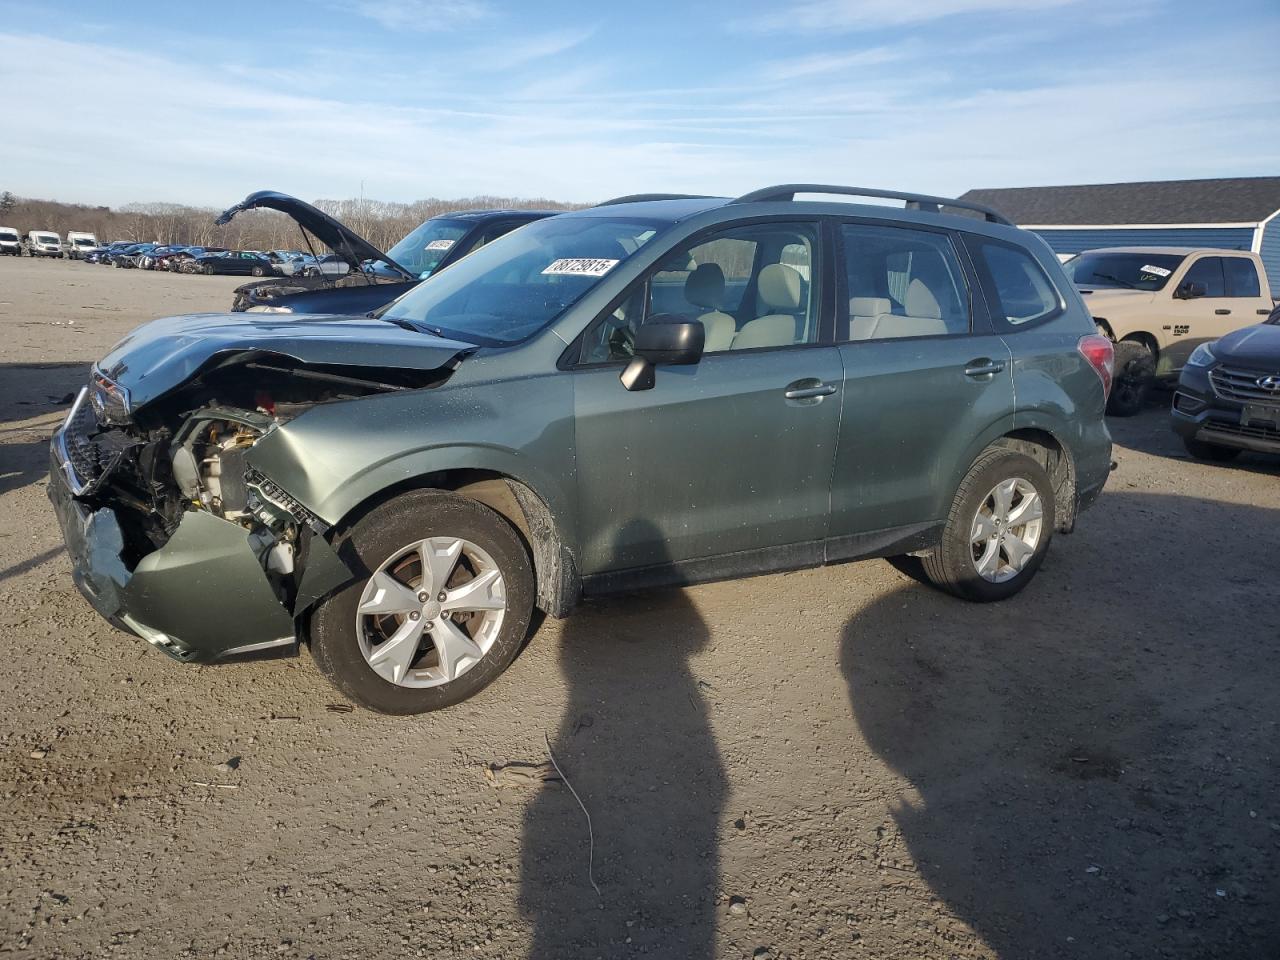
<point x="1210" y="451"/>
<point x="208" y="269"/>
<point x="1135" y="373"/>
<point x="345" y="638"/>
<point x="998" y="529"/>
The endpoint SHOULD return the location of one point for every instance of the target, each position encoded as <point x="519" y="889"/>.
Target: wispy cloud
<point x="423" y="15"/>
<point x="825" y="16"/>
<point x="826" y="63"/>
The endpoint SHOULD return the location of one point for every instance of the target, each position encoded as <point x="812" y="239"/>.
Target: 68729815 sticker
<point x="579" y="267"/>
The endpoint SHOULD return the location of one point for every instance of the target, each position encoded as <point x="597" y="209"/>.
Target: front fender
<point x="337" y="456"/>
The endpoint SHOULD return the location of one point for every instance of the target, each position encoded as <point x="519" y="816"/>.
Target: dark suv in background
<point x="1228" y="396"/>
<point x="632" y="395"/>
<point x="375" y="278"/>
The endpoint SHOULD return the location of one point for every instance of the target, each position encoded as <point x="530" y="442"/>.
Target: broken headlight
<point x="110" y="400"/>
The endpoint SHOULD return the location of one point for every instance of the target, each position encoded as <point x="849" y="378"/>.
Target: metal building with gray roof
<point x="1234" y="213"/>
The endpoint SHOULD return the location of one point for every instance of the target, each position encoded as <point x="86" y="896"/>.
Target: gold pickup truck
<point x="1159" y="303"/>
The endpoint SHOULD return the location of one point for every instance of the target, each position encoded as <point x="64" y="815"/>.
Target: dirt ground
<point x="833" y="763"/>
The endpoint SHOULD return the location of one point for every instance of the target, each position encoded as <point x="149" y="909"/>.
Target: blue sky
<point x="202" y="103"/>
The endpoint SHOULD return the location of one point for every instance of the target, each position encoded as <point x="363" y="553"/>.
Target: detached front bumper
<point x="202" y="596"/>
<point x="1201" y="412"/>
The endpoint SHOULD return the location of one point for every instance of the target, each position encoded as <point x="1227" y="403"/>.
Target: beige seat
<point x="705" y="288"/>
<point x="863" y="314"/>
<point x="923" y="319"/>
<point x="779" y="288"/>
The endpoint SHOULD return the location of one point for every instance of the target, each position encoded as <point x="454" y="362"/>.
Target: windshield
<point x="421" y="251"/>
<point x="81" y="242"/>
<point x="44" y="238"/>
<point x="1123" y="271"/>
<point x="8" y="235"/>
<point x="510" y="289"/>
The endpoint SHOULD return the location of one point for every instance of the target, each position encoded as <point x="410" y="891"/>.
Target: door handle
<point x="813" y="389"/>
<point x="982" y="367"/>
<point x="1222" y="311"/>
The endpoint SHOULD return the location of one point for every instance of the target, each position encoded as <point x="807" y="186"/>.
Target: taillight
<point x="1101" y="354"/>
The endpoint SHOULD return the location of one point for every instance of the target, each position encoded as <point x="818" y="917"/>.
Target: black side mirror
<point x="1190" y="290"/>
<point x="664" y="339"/>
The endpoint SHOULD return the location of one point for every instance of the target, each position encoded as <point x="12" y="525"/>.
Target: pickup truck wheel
<point x="1210" y="451"/>
<point x="442" y="610"/>
<point x="1135" y="373"/>
<point x="998" y="529"/>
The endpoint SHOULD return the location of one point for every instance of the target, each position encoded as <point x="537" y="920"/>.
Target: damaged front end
<point x="173" y="532"/>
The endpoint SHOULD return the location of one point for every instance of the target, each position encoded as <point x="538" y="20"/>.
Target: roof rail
<point x="914" y="201"/>
<point x="642" y="197"/>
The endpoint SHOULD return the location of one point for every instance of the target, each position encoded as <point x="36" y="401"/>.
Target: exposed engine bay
<point x="189" y="451"/>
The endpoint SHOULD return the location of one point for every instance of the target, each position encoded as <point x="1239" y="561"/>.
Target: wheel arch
<point x="1051" y="453"/>
<point x="1043" y="444"/>
<point x="555" y="570"/>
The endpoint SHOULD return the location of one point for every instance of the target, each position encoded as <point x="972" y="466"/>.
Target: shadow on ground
<point x="1095" y="760"/>
<point x="27" y="392"/>
<point x="636" y="744"/>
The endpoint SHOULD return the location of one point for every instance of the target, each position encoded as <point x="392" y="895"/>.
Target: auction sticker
<point x="1158" y="271"/>
<point x="439" y="245"/>
<point x="579" y="267"/>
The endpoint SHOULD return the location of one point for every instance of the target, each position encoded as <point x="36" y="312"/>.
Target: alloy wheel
<point x="1006" y="530"/>
<point x="431" y="612"/>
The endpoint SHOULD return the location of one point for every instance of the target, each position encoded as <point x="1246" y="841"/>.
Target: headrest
<point x="869" y="306"/>
<point x="705" y="286"/>
<point x="921" y="302"/>
<point x="779" y="287"/>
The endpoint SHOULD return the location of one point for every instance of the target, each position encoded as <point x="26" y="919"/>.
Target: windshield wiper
<point x="1114" y="279"/>
<point x="409" y="324"/>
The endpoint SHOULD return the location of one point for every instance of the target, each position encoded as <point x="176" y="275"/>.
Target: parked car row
<point x="1203" y="320"/>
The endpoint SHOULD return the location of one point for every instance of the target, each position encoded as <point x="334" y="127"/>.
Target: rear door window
<point x="1208" y="270"/>
<point x="1241" y="277"/>
<point x="902" y="282"/>
<point x="1023" y="291"/>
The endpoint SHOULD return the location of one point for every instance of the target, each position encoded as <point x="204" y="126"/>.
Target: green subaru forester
<point x="657" y="390"/>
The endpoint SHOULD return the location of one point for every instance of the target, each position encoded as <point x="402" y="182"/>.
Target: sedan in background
<point x="236" y="263"/>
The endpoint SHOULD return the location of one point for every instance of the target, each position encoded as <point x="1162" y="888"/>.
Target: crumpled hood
<point x="336" y="235"/>
<point x="164" y="354"/>
<point x="1099" y="301"/>
<point x="1255" y="348"/>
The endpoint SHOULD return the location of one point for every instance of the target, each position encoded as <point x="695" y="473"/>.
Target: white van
<point x="43" y="243"/>
<point x="79" y="244"/>
<point x="9" y="242"/>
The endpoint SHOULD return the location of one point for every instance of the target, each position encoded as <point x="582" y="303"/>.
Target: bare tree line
<point x="381" y="222"/>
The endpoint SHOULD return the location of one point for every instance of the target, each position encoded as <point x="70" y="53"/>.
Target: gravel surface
<point x="830" y="763"/>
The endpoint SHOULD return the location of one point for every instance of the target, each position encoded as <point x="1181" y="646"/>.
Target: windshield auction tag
<point x="579" y="267"/>
<point x="1158" y="271"/>
<point x="439" y="245"/>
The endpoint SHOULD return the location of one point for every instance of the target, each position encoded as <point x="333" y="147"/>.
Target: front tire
<point x="1210" y="451"/>
<point x="1135" y="373"/>
<point x="998" y="529"/>
<point x="440" y="612"/>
